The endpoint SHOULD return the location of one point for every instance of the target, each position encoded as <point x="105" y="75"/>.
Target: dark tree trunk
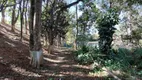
<point x="21" y="18"/>
<point x="51" y="41"/>
<point x="37" y="31"/>
<point x="46" y="39"/>
<point x="31" y="22"/>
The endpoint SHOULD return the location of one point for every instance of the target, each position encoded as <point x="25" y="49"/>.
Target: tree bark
<point x="35" y="30"/>
<point x="14" y="17"/>
<point x="31" y="24"/>
<point x="75" y="43"/>
<point x="21" y="18"/>
<point x="26" y="20"/>
<point x="51" y="40"/>
<point x="35" y="33"/>
<point x="3" y="16"/>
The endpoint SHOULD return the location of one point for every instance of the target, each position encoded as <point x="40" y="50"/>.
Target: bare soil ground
<point x="14" y="62"/>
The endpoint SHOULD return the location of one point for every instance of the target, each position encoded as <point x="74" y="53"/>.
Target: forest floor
<point x="14" y="61"/>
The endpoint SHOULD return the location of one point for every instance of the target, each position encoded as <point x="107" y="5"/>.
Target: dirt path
<point x="62" y="65"/>
<point x="14" y="62"/>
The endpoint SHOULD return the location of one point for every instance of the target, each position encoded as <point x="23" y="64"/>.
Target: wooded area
<point x="70" y="40"/>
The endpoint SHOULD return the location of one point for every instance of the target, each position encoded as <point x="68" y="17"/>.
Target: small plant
<point x="50" y="79"/>
<point x="97" y="69"/>
<point x="86" y="55"/>
<point x="85" y="58"/>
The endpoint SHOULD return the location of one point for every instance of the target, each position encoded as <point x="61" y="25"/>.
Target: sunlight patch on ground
<point x="23" y="71"/>
<point x="99" y="74"/>
<point x="80" y="66"/>
<point x="54" y="74"/>
<point x="55" y="61"/>
<point x="73" y="73"/>
<point x="10" y="44"/>
<point x="60" y="58"/>
<point x="66" y="66"/>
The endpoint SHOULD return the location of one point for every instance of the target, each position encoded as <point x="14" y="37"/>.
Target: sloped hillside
<point x="14" y="61"/>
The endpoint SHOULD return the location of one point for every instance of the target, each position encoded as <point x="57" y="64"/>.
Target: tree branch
<point x="69" y="5"/>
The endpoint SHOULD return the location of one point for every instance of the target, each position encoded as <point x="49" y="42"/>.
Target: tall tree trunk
<point x="51" y="40"/>
<point x="75" y="43"/>
<point x="58" y="41"/>
<point x="21" y="18"/>
<point x="46" y="40"/>
<point x="26" y="25"/>
<point x="14" y="17"/>
<point x="37" y="31"/>
<point x="51" y="34"/>
<point x="26" y="20"/>
<point x="3" y="16"/>
<point x="31" y="24"/>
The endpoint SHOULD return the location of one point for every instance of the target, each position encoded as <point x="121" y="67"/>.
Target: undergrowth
<point x="128" y="62"/>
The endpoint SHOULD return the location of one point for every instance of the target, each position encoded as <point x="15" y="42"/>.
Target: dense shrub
<point x="128" y="61"/>
<point x="87" y="54"/>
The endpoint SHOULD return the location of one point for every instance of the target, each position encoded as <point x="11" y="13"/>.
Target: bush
<point x="85" y="58"/>
<point x="87" y="55"/>
<point x="137" y="54"/>
<point x="125" y="60"/>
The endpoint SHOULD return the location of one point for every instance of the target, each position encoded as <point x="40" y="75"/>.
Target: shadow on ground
<point x="14" y="62"/>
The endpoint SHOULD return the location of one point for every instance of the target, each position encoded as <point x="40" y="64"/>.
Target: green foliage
<point x="85" y="58"/>
<point x="82" y="55"/>
<point x="87" y="54"/>
<point x="53" y="21"/>
<point x="128" y="61"/>
<point x="124" y="60"/>
<point x="106" y="29"/>
<point x="97" y="69"/>
<point x="136" y="35"/>
<point x="82" y="38"/>
<point x="50" y="79"/>
<point x="137" y="54"/>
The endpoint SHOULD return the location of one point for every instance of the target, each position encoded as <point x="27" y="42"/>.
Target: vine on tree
<point x="106" y="23"/>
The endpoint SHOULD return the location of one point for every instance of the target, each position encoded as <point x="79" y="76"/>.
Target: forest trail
<point x="14" y="61"/>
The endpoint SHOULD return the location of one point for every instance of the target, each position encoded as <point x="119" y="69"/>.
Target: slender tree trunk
<point x="14" y="17"/>
<point x="3" y="16"/>
<point x="26" y="25"/>
<point x="31" y="24"/>
<point x="57" y="41"/>
<point x="21" y="18"/>
<point x="75" y="43"/>
<point x="26" y="20"/>
<point x="51" y="35"/>
<point x="46" y="38"/>
<point x="50" y="42"/>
